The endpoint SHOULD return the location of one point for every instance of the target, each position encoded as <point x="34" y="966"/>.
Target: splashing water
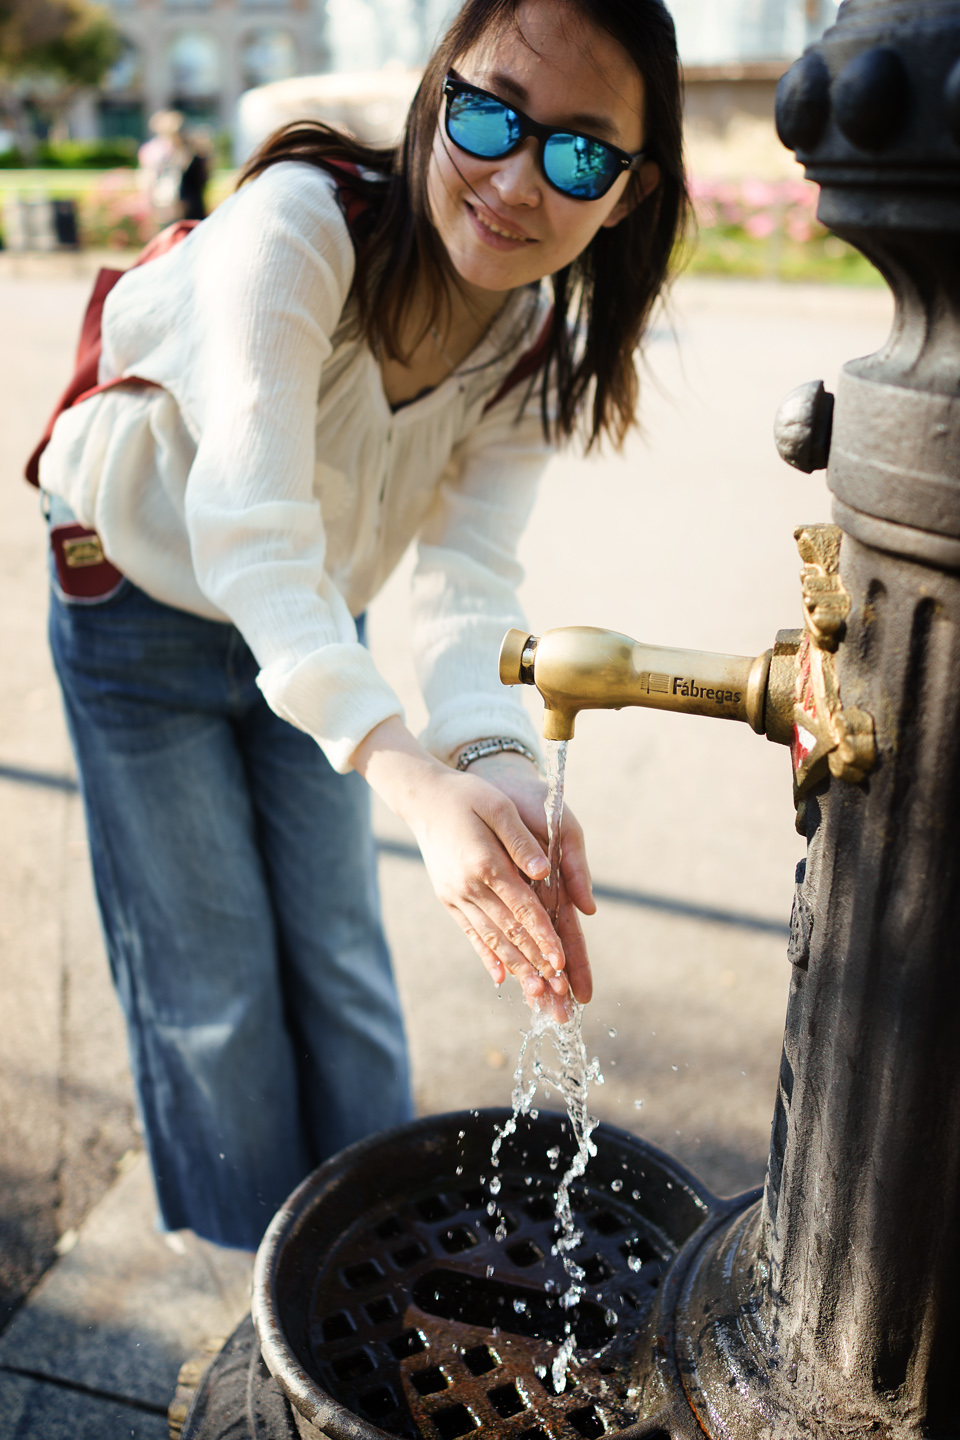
<point x="570" y="1074"/>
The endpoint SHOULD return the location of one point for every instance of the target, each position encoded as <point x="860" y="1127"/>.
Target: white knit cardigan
<point x="267" y="481"/>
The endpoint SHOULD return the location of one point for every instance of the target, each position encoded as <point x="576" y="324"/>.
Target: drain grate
<point x="439" y="1319"/>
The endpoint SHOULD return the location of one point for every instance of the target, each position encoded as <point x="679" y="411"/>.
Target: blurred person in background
<point x="193" y="181"/>
<point x="163" y="161"/>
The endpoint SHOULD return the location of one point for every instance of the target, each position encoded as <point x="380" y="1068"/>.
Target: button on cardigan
<point x="266" y="481"/>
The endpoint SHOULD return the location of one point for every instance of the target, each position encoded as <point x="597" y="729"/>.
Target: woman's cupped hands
<point x="483" y="837"/>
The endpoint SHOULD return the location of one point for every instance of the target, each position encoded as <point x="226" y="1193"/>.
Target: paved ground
<point x="687" y="540"/>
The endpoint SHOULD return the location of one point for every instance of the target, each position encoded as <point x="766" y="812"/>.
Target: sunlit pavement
<point x="687" y="541"/>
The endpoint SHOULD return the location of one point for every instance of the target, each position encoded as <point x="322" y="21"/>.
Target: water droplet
<point x="634" y="1194"/>
<point x="495" y="1184"/>
<point x="489" y="1272"/>
<point x="616" y="1186"/>
<point x="611" y="1318"/>
<point x="459" y="1170"/>
<point x="520" y="1306"/>
<point x="612" y="1034"/>
<point x="677" y="1067"/>
<point x="638" y="1104"/>
<point x="634" y="1262"/>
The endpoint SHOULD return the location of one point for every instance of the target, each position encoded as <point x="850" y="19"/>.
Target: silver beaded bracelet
<point x="482" y="748"/>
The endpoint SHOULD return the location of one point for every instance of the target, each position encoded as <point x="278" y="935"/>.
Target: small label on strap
<point x="83" y="551"/>
<point x="84" y="573"/>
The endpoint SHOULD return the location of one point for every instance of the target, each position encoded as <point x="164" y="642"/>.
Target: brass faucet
<point x="583" y="668"/>
<point x="790" y="693"/>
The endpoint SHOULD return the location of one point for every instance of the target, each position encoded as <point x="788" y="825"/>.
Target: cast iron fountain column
<point x="833" y="1307"/>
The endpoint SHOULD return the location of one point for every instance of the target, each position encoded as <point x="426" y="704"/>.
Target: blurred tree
<point x="49" y="51"/>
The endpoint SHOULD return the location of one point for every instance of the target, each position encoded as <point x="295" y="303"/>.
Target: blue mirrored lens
<point x="579" y="166"/>
<point x="481" y="126"/>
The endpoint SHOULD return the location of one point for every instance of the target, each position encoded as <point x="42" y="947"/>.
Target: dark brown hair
<point x="602" y="301"/>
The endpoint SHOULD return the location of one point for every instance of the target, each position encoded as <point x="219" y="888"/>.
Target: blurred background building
<point x="199" y="56"/>
<point x="734" y="52"/>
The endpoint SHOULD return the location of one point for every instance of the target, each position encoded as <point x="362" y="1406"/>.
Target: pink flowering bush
<point x="769" y="228"/>
<point x="115" y="214"/>
<point x="758" y="207"/>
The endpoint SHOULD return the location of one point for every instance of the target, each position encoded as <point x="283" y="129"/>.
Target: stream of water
<point x="553" y="1056"/>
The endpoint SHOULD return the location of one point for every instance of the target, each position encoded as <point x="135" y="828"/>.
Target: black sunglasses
<point x="579" y="166"/>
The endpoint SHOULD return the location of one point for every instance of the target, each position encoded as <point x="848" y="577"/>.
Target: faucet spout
<point x="580" y="667"/>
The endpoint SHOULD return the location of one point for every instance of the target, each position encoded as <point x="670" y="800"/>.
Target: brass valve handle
<point x="580" y="667"/>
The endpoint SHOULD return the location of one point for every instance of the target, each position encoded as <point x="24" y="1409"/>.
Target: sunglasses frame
<point x="452" y="86"/>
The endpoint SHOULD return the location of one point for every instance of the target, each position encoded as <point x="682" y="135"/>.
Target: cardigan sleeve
<point x="271" y="293"/>
<point x="466" y="580"/>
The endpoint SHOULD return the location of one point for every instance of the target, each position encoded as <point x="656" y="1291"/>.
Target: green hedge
<point x="74" y="155"/>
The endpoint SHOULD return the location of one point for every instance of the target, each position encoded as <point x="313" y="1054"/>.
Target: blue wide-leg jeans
<point x="235" y="875"/>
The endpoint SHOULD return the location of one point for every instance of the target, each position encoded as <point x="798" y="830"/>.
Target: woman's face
<point x="501" y="223"/>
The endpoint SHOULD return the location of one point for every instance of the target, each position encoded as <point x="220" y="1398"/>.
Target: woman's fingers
<point x="490" y="937"/>
<point x="497" y="878"/>
<point x="499" y="812"/>
<point x="502" y="910"/>
<point x="575" y="891"/>
<point x="574" y="867"/>
<point x="527" y="794"/>
<point x="492" y="963"/>
<point x="575" y="948"/>
<point x="482" y="849"/>
<point x="516" y="917"/>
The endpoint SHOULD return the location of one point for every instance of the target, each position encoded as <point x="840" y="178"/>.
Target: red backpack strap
<point x="353" y="202"/>
<point x="86" y="365"/>
<point x="165" y="241"/>
<point x="529" y="363"/>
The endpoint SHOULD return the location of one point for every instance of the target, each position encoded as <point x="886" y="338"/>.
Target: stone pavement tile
<point x="123" y="1310"/>
<point x="39" y="1410"/>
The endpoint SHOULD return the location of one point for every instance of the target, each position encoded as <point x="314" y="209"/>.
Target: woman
<point x="319" y="395"/>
